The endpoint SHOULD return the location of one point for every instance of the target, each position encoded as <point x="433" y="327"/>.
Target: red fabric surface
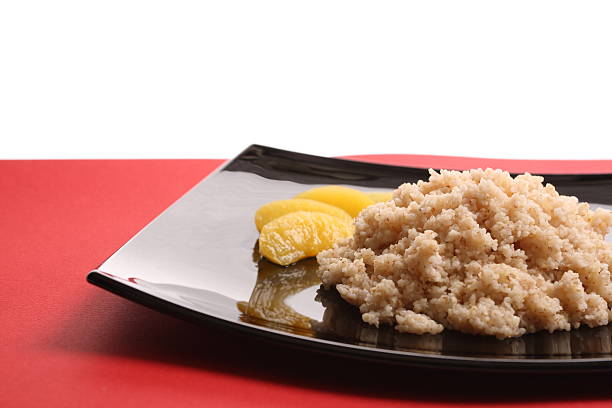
<point x="65" y="343"/>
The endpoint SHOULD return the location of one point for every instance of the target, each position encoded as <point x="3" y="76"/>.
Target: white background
<point x="153" y="79"/>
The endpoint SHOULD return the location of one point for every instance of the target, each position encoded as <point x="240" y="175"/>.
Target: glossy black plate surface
<point x="198" y="260"/>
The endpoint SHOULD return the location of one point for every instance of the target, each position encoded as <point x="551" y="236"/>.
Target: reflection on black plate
<point x="342" y="322"/>
<point x="196" y="261"/>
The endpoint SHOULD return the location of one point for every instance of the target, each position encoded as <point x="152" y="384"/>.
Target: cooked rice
<point x="476" y="251"/>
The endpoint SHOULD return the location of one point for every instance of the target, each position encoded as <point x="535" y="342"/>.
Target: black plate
<point x="198" y="260"/>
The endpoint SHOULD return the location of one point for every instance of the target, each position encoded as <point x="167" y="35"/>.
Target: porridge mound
<point x="476" y="251"/>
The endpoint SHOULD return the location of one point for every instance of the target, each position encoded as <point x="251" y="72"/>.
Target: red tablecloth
<point x="65" y="343"/>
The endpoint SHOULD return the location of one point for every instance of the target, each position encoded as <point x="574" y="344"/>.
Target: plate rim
<point x="115" y="286"/>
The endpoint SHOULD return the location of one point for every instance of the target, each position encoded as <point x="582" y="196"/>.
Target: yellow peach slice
<point x="350" y="200"/>
<point x="301" y="234"/>
<point x="380" y="196"/>
<point x="275" y="209"/>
